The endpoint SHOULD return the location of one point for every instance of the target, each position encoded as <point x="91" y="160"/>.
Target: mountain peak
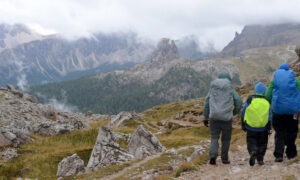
<point x="165" y="51"/>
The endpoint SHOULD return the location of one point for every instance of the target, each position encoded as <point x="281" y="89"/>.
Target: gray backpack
<point x="221" y="100"/>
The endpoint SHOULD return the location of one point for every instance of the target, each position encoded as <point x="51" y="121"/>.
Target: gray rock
<point x="59" y="127"/>
<point x="12" y="89"/>
<point x="13" y="136"/>
<point x="70" y="165"/>
<point x="199" y="150"/>
<point x="8" y="154"/>
<point x="142" y="143"/>
<point x="122" y="117"/>
<point x="106" y="151"/>
<point x="179" y="116"/>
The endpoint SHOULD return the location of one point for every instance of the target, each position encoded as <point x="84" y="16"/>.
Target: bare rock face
<point x="297" y="50"/>
<point x="144" y="143"/>
<point x="8" y="154"/>
<point x="106" y="151"/>
<point x="70" y="165"/>
<point x="122" y="117"/>
<point x="166" y="50"/>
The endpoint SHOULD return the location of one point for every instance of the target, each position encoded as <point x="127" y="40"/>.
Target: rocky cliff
<point x="164" y="78"/>
<point x="258" y="36"/>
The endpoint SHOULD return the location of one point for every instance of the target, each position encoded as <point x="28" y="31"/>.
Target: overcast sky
<point x="213" y="21"/>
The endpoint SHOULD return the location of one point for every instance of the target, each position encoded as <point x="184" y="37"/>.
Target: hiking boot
<point x="292" y="157"/>
<point x="225" y="161"/>
<point x="279" y="159"/>
<point x="252" y="160"/>
<point x="212" y="161"/>
<point x="261" y="163"/>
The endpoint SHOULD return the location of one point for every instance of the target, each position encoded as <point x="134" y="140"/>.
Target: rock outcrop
<point x="143" y="143"/>
<point x="20" y="115"/>
<point x="59" y="127"/>
<point x="70" y="165"/>
<point x="122" y="117"/>
<point x="13" y="136"/>
<point x="166" y="50"/>
<point x="297" y="50"/>
<point x="8" y="154"/>
<point x="106" y="151"/>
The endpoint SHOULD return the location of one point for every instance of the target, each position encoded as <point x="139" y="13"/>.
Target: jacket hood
<point x="284" y="66"/>
<point x="224" y="75"/>
<point x="260" y="88"/>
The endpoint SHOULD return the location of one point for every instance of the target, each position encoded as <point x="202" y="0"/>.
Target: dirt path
<point x="240" y="168"/>
<point x="138" y="164"/>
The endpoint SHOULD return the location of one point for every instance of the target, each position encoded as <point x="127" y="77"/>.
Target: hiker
<point x="257" y="121"/>
<point x="283" y="93"/>
<point x="218" y="111"/>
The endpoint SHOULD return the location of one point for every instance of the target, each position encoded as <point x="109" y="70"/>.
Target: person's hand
<point x="205" y="122"/>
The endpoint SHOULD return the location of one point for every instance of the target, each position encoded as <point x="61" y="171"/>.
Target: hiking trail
<point x="240" y="168"/>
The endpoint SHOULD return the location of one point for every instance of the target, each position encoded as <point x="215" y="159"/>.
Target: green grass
<point x="184" y="137"/>
<point x="42" y="156"/>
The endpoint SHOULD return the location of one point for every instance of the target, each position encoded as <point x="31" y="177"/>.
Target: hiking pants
<point x="286" y="129"/>
<point x="216" y="127"/>
<point x="257" y="143"/>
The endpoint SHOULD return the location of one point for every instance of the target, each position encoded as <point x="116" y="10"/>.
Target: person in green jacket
<point x="218" y="112"/>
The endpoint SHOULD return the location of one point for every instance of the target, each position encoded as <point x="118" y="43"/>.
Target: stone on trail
<point x="8" y="154"/>
<point x="122" y="117"/>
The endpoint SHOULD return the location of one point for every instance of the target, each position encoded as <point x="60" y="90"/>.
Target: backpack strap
<point x="249" y="99"/>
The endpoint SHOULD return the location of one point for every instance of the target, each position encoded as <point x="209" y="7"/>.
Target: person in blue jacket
<point x="284" y="94"/>
<point x="256" y="120"/>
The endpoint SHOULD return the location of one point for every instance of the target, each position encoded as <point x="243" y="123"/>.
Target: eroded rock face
<point x="106" y="151"/>
<point x="166" y="50"/>
<point x="8" y="154"/>
<point x="70" y="165"/>
<point x="144" y="143"/>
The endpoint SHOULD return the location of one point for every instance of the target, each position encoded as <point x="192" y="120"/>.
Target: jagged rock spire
<point x="166" y="51"/>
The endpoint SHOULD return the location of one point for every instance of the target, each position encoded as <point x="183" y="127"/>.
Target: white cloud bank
<point x="210" y="20"/>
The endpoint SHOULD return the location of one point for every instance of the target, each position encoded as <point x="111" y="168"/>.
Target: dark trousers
<point x="257" y="143"/>
<point x="286" y="129"/>
<point x="216" y="128"/>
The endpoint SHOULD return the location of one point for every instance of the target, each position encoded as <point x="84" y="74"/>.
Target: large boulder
<point x="106" y="151"/>
<point x="143" y="143"/>
<point x="70" y="165"/>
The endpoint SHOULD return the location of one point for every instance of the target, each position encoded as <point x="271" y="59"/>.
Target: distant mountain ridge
<point x="52" y="58"/>
<point x="259" y="36"/>
<point x="164" y="78"/>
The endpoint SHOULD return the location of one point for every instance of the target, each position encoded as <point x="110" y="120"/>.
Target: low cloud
<point x="61" y="104"/>
<point x="209" y="20"/>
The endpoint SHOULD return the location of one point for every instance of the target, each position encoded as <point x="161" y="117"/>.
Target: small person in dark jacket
<point x="257" y="120"/>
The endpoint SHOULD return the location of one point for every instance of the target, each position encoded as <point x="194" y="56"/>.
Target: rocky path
<point x="138" y="164"/>
<point x="240" y="168"/>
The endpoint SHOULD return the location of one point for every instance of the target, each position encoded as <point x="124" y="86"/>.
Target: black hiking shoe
<point x="292" y="157"/>
<point x="261" y="163"/>
<point x="212" y="161"/>
<point x="252" y="160"/>
<point x="225" y="161"/>
<point x="279" y="159"/>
